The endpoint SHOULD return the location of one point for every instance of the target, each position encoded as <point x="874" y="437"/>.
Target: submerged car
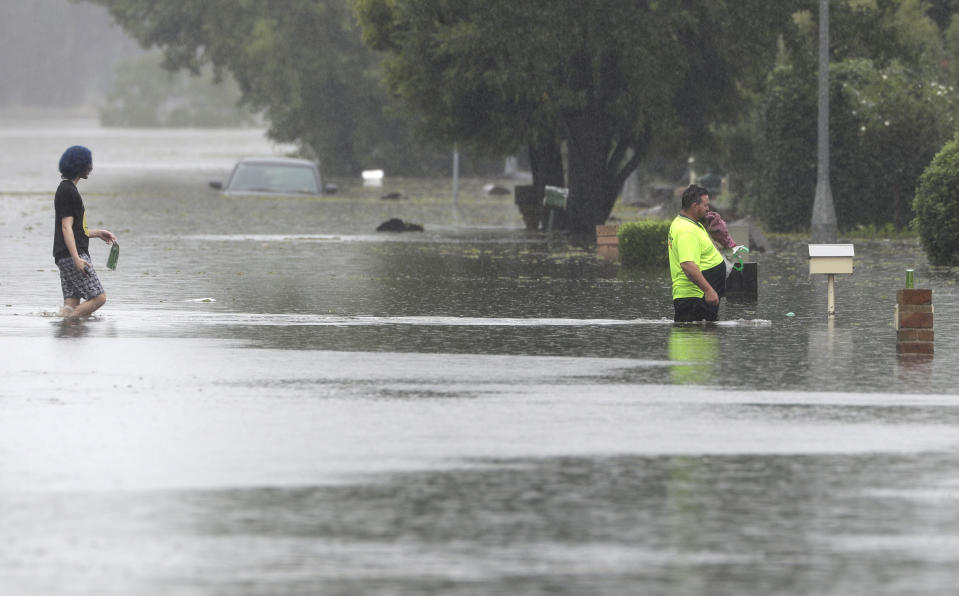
<point x="275" y="175"/>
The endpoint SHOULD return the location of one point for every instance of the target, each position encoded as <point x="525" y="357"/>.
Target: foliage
<point x="889" y="114"/>
<point x="785" y="166"/>
<point x="144" y="94"/>
<point x="885" y="126"/>
<point x="616" y="81"/>
<point x="299" y="62"/>
<point x="902" y="122"/>
<point x="886" y="231"/>
<point x="937" y="206"/>
<point x="644" y="243"/>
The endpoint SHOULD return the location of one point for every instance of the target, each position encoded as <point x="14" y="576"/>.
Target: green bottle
<point x="114" y="256"/>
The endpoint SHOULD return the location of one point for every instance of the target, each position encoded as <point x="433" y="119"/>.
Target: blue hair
<point x="75" y="161"/>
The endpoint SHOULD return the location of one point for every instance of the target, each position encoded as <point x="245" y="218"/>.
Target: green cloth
<point x="689" y="241"/>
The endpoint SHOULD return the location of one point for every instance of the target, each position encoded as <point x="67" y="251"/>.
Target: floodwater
<point x="276" y="399"/>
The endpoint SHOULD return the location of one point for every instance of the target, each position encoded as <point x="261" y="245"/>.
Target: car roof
<point x="277" y="161"/>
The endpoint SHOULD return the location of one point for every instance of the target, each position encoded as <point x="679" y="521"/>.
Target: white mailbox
<point x="830" y="258"/>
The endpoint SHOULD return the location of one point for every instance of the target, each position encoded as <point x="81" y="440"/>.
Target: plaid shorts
<point x="76" y="284"/>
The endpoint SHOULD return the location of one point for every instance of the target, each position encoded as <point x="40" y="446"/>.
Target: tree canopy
<point x="892" y="107"/>
<point x="301" y="62"/>
<point x="614" y="80"/>
<point x="144" y="94"/>
<point x="591" y="88"/>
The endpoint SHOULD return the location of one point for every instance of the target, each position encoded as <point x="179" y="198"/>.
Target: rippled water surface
<point x="277" y="399"/>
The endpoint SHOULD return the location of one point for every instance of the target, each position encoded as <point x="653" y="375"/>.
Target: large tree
<point x="613" y="80"/>
<point x="301" y="62"/>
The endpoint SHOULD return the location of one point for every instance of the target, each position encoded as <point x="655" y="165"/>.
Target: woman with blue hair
<point x="71" y="238"/>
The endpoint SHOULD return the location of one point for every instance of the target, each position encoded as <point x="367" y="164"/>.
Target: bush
<point x="644" y="243"/>
<point x="937" y="206"/>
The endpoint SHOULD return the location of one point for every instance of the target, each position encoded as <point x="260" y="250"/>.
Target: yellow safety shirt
<point x="689" y="241"/>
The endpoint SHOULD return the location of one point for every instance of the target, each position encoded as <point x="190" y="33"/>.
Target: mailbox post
<point x="830" y="259"/>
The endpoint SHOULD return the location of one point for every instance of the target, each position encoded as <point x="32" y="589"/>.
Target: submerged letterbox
<point x="830" y="258"/>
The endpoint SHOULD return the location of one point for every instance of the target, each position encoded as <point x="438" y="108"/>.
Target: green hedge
<point x="644" y="243"/>
<point x="937" y="206"/>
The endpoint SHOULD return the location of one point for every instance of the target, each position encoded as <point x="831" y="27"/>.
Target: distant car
<point x="275" y="175"/>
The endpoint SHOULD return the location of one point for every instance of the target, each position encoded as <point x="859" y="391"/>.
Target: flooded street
<point x="276" y="399"/>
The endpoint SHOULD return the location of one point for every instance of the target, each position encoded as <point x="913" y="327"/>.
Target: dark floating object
<point x="398" y="225"/>
<point x="495" y="189"/>
<point x="393" y="196"/>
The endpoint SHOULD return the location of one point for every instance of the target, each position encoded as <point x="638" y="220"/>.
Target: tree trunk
<point x="546" y="165"/>
<point x="546" y="161"/>
<point x="598" y="168"/>
<point x="587" y="175"/>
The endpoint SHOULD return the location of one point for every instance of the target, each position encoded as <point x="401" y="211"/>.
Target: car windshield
<point x="282" y="178"/>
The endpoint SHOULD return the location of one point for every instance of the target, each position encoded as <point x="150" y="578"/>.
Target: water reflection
<point x="71" y="328"/>
<point x="750" y="525"/>
<point x="832" y="348"/>
<point x="913" y="370"/>
<point x="695" y="350"/>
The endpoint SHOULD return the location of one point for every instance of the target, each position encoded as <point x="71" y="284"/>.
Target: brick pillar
<point x="607" y="242"/>
<point x="914" y="331"/>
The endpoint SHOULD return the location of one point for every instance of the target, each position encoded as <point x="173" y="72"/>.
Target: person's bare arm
<point x="66" y="225"/>
<point x="696" y="276"/>
<point x="105" y="235"/>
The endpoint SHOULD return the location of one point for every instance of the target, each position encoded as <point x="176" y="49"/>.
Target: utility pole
<point x="456" y="174"/>
<point x="824" y="227"/>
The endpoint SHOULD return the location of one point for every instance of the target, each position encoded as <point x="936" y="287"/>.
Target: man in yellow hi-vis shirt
<point x="696" y="267"/>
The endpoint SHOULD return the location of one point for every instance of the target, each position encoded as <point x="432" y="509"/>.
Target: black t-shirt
<point x="67" y="202"/>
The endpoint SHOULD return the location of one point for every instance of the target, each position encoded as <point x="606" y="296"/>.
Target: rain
<point x="277" y="398"/>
